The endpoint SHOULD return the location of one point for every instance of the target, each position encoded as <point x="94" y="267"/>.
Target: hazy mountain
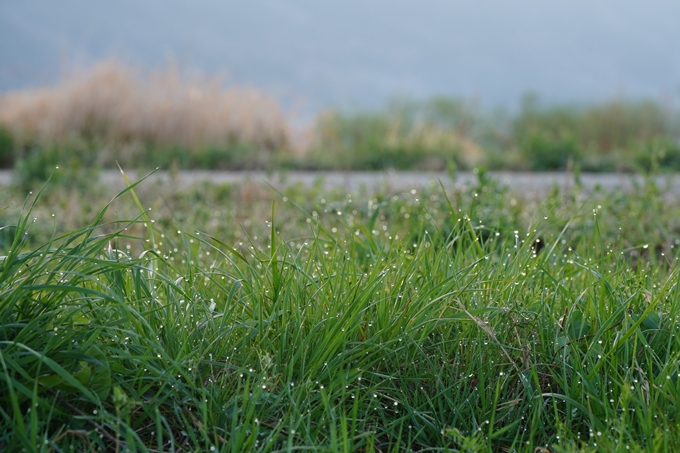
<point x="362" y="52"/>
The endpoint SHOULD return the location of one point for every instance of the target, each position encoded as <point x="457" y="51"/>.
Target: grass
<point x="466" y="320"/>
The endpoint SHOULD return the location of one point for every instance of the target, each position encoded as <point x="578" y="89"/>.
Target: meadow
<point x="240" y="318"/>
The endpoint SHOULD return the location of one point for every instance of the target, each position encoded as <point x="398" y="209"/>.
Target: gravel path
<point x="520" y="182"/>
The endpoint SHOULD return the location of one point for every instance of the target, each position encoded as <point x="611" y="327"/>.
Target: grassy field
<point x="237" y="318"/>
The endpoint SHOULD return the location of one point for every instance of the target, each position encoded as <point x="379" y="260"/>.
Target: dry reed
<point x="116" y="104"/>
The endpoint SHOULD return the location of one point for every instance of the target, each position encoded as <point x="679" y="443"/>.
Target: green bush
<point x="543" y="154"/>
<point x="615" y="135"/>
<point x="41" y="164"/>
<point x="7" y="151"/>
<point x="657" y="155"/>
<point x="237" y="156"/>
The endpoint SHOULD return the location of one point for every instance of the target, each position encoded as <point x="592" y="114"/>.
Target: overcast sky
<point x="363" y="52"/>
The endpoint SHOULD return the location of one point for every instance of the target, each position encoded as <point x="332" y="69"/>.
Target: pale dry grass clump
<point x="117" y="104"/>
<point x="432" y="139"/>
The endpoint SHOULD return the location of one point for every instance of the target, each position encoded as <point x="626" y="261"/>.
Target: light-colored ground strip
<point x="521" y="182"/>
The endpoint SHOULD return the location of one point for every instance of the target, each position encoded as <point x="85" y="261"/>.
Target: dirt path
<point x="523" y="183"/>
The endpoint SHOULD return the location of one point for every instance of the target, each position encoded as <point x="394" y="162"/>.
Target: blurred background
<point x="352" y="85"/>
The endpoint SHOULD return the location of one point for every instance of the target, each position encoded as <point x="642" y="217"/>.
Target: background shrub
<point x="116" y="113"/>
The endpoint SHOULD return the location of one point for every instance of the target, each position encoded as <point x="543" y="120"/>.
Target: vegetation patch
<point x="146" y="119"/>
<point x="236" y="318"/>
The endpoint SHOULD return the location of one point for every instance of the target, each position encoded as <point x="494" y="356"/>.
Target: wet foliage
<point x="239" y="318"/>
